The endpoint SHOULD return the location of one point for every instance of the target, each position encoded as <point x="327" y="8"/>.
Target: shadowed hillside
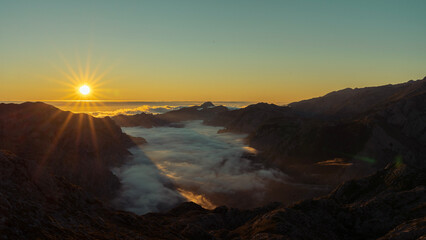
<point x="76" y="146"/>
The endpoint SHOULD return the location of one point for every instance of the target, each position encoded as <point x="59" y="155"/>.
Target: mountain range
<point x="367" y="144"/>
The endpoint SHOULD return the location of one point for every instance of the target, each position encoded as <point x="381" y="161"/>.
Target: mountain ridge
<point x="374" y="156"/>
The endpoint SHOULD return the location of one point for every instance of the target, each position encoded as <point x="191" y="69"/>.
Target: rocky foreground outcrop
<point x="77" y="146"/>
<point x="387" y="205"/>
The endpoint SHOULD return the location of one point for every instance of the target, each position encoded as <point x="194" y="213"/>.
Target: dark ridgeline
<point x="204" y="112"/>
<point x="345" y="134"/>
<point x="78" y="147"/>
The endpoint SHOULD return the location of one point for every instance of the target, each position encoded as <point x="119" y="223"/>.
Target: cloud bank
<point x="144" y="187"/>
<point x="196" y="163"/>
<point x="155" y="108"/>
<point x="137" y="110"/>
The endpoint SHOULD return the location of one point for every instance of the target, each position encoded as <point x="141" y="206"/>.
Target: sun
<point x="84" y="89"/>
<point x="84" y="83"/>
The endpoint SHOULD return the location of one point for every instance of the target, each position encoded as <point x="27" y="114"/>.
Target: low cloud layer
<point x="196" y="163"/>
<point x="154" y="108"/>
<point x="144" y="187"/>
<point x="137" y="110"/>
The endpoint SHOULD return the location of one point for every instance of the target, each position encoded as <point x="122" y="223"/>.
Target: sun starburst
<point x="82" y="85"/>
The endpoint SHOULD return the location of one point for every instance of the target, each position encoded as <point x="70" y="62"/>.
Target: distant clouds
<point x="110" y="108"/>
<point x="137" y="110"/>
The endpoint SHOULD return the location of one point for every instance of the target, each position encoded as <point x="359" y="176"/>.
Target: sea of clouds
<point x="192" y="163"/>
<point x="104" y="109"/>
<point x="136" y="110"/>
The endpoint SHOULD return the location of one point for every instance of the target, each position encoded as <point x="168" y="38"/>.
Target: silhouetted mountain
<point x="349" y="103"/>
<point x="77" y="146"/>
<point x="142" y="120"/>
<point x="248" y="119"/>
<point x="203" y="112"/>
<point x="207" y="105"/>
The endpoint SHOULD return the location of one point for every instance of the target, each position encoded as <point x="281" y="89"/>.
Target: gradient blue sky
<point x="275" y="51"/>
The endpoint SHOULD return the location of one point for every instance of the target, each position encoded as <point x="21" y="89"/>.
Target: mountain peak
<point x="207" y="105"/>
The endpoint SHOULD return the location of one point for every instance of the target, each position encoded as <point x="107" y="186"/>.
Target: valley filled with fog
<point x="195" y="163"/>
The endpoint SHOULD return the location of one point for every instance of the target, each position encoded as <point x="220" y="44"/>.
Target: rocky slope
<point x="387" y="205"/>
<point x="77" y="146"/>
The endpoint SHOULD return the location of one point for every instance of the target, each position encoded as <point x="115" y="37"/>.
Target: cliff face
<point x="388" y="204"/>
<point x="77" y="146"/>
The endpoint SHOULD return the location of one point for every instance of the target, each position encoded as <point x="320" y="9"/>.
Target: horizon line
<point x="100" y="100"/>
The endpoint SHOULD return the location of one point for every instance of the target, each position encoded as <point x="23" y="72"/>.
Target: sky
<point x="270" y="51"/>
